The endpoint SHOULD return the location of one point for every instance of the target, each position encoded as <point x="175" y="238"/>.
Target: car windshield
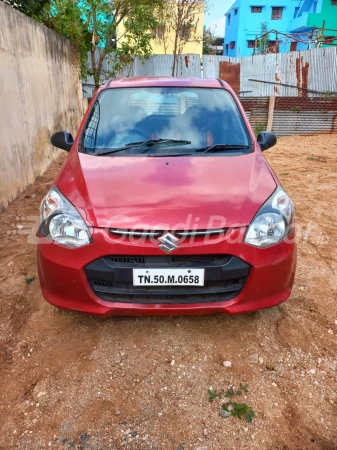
<point x="151" y="121"/>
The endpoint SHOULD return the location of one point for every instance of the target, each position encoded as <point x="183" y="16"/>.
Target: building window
<point x="226" y="49"/>
<point x="297" y="8"/>
<point x="276" y="12"/>
<point x="328" y="40"/>
<point x="251" y="43"/>
<point x="272" y="47"/>
<point x="232" y="45"/>
<point x="256" y="9"/>
<point x="228" y="19"/>
<point x="185" y="32"/>
<point x="333" y="2"/>
<point x="235" y="11"/>
<point x="158" y="32"/>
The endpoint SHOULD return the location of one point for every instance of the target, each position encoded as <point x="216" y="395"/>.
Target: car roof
<point x="165" y="82"/>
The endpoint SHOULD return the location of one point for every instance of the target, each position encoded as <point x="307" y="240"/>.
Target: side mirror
<point x="63" y="140"/>
<point x="266" y="139"/>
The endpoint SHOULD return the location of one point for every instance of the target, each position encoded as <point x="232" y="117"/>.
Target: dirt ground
<point x="69" y="381"/>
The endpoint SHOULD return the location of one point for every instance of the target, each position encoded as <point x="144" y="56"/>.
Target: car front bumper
<point x="65" y="284"/>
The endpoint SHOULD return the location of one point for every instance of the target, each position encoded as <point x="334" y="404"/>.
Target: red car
<point x="166" y="205"/>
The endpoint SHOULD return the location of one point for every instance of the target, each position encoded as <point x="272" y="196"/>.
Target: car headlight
<point x="61" y="222"/>
<point x="273" y="222"/>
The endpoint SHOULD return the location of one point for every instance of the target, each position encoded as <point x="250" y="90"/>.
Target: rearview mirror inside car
<point x="63" y="140"/>
<point x="266" y="139"/>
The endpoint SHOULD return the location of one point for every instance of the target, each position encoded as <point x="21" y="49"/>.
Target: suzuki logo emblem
<point x="168" y="242"/>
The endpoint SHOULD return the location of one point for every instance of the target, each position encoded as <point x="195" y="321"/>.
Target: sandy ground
<point x="70" y="381"/>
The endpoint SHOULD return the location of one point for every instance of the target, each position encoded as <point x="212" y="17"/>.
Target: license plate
<point x="168" y="277"/>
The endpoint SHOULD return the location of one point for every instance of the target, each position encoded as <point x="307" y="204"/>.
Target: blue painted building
<point x="319" y="19"/>
<point x="290" y="17"/>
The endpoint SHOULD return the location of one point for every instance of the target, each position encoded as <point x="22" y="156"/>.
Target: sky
<point x="214" y="17"/>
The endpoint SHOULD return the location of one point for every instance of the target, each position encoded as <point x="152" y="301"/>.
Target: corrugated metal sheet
<point x="256" y="110"/>
<point x="161" y="65"/>
<point x="297" y="111"/>
<point x="211" y="64"/>
<point x="314" y="69"/>
<point x="230" y="72"/>
<point x="292" y="115"/>
<point x="287" y="123"/>
<point x="158" y="65"/>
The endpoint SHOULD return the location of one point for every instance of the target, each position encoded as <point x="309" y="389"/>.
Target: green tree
<point x="32" y="8"/>
<point x="207" y="42"/>
<point x="182" y="18"/>
<point x="66" y="18"/>
<point x="92" y="26"/>
<point x="262" y="43"/>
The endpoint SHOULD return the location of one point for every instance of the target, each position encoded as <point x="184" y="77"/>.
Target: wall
<point x="313" y="14"/>
<point x="327" y="14"/>
<point x="233" y="18"/>
<point x="299" y="22"/>
<point x="40" y="93"/>
<point x="247" y="25"/>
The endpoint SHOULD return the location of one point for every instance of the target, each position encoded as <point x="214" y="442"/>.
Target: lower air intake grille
<point x="124" y="293"/>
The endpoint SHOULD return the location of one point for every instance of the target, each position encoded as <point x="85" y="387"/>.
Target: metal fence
<point x="156" y="66"/>
<point x="256" y="109"/>
<point x="293" y="74"/>
<point x="310" y="73"/>
<point x="293" y="115"/>
<point x="304" y="84"/>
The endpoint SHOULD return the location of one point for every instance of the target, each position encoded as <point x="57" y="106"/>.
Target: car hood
<point x="165" y="193"/>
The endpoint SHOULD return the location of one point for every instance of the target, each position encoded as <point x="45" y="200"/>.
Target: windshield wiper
<point x="156" y="155"/>
<point x="222" y="147"/>
<point x="149" y="144"/>
<point x="169" y="142"/>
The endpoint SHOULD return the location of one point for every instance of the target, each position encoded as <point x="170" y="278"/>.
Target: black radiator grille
<point x="177" y="260"/>
<point x="127" y="259"/>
